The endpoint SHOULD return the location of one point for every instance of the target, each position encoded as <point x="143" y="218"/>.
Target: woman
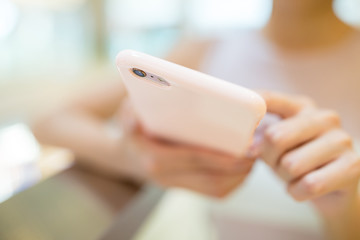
<point x="304" y="49"/>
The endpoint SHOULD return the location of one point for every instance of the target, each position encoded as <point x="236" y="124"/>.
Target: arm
<point x="80" y="125"/>
<point x="344" y="222"/>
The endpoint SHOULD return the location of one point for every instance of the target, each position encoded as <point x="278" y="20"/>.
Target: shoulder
<point x="191" y="51"/>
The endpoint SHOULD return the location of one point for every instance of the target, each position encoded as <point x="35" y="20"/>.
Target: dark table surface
<point x="77" y="204"/>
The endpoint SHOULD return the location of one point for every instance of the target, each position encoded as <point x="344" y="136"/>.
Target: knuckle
<point x="343" y="138"/>
<point x="216" y="186"/>
<point x="357" y="161"/>
<point x="355" y="164"/>
<point x="331" y="116"/>
<point x="268" y="134"/>
<point x="311" y="185"/>
<point x="288" y="164"/>
<point x="347" y="142"/>
<point x="275" y="137"/>
<point x="296" y="196"/>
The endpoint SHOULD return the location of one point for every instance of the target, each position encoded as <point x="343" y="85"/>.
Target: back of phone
<point x="189" y="107"/>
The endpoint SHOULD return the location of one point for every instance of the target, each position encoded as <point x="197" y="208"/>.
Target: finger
<point x="167" y="159"/>
<point x="290" y="133"/>
<point x="336" y="175"/>
<point x="174" y="158"/>
<point x="129" y="119"/>
<point x="313" y="155"/>
<point x="208" y="183"/>
<point x="223" y="162"/>
<point x="184" y="160"/>
<point x="285" y="105"/>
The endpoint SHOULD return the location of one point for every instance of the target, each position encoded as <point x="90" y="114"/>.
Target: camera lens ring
<point x="139" y="72"/>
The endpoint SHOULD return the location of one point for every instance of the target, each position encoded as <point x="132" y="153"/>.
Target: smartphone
<point x="185" y="106"/>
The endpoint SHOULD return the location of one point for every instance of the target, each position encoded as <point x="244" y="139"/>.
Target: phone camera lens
<point x="139" y="72"/>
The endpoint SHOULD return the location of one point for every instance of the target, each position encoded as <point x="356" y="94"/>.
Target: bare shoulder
<point x="190" y="52"/>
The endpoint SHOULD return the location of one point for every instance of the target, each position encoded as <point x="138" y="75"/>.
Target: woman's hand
<point x="174" y="165"/>
<point x="310" y="152"/>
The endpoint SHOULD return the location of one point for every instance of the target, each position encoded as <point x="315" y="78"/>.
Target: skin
<point x="304" y="25"/>
<point x="308" y="149"/>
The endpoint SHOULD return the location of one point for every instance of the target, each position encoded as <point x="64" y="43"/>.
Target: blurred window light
<point x="45" y="42"/>
<point x="40" y="26"/>
<point x="132" y="14"/>
<point x="348" y="11"/>
<point x="216" y="15"/>
<point x="17" y="145"/>
<point x="148" y="26"/>
<point x="6" y="185"/>
<point x="18" y="153"/>
<point x="8" y="17"/>
<point x="51" y="4"/>
<point x="154" y="26"/>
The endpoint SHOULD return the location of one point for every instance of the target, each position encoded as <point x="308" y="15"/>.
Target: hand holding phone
<point x="176" y="165"/>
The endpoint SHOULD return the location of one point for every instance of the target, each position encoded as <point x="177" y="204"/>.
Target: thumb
<point x="255" y="149"/>
<point x="129" y="119"/>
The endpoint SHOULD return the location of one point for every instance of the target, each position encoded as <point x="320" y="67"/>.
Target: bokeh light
<point x="8" y="17"/>
<point x="51" y="4"/>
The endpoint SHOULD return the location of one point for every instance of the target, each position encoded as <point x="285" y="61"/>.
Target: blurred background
<point x="52" y="49"/>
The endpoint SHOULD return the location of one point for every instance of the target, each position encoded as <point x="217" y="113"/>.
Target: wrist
<point x="126" y="158"/>
<point x="340" y="214"/>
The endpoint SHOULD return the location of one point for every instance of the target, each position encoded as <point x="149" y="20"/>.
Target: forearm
<point x="89" y="139"/>
<point x="343" y="223"/>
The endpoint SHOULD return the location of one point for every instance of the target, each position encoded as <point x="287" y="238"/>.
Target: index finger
<point x="285" y="105"/>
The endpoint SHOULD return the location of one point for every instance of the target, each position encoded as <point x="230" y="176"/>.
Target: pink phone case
<point x="186" y="106"/>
